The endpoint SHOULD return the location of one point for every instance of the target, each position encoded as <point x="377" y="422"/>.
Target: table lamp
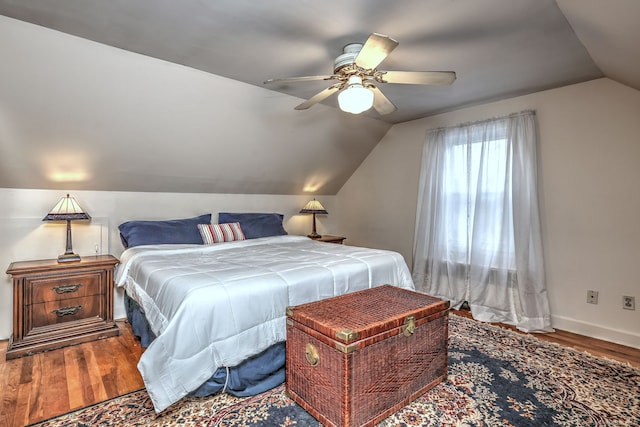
<point x="67" y="209"/>
<point x="314" y="207"/>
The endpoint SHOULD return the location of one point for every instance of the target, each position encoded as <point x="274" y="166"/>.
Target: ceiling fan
<point x="358" y="78"/>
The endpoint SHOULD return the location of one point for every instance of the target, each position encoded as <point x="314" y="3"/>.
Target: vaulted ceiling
<point x="169" y="96"/>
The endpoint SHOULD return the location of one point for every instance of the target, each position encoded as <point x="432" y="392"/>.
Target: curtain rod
<point x="477" y="122"/>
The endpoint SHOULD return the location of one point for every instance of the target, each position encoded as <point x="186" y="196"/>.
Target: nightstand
<point x="60" y="304"/>
<point x="329" y="239"/>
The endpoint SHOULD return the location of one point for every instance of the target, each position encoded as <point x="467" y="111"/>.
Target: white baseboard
<point x="595" y="331"/>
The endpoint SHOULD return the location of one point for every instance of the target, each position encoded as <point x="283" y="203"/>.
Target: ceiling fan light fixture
<point x="355" y="98"/>
<point x="359" y="63"/>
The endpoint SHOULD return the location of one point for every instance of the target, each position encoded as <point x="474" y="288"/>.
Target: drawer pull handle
<point x="66" y="311"/>
<point x="66" y="289"/>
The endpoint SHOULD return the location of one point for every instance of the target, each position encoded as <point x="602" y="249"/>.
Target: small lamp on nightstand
<point x="314" y="207"/>
<point x="67" y="209"/>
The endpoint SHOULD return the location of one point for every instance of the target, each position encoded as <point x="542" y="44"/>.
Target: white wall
<point x="72" y="110"/>
<point x="589" y="168"/>
<point x="26" y="237"/>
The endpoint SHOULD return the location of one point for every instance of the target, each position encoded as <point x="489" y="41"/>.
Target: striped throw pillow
<point x="216" y="233"/>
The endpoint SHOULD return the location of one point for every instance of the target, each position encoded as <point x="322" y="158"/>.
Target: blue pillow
<point x="136" y="233"/>
<point x="255" y="225"/>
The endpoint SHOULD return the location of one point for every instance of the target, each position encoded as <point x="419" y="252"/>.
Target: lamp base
<point x="314" y="235"/>
<point x="69" y="257"/>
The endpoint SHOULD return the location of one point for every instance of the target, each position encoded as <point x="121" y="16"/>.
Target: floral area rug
<point x="496" y="378"/>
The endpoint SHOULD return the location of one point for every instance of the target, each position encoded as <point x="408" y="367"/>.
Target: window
<point x="477" y="235"/>
<point x="475" y="180"/>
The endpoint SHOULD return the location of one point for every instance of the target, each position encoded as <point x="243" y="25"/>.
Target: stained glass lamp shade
<point x="67" y="209"/>
<point x="314" y="207"/>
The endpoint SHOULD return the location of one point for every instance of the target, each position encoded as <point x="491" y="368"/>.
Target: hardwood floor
<point x="37" y="387"/>
<point x="41" y="386"/>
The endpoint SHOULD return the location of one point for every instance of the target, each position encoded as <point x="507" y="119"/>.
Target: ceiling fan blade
<point x="300" y="79"/>
<point x="318" y="97"/>
<point x="380" y="102"/>
<point x="418" y="77"/>
<point x="375" y="50"/>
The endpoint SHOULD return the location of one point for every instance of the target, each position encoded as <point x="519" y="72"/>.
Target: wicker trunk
<point x="353" y="360"/>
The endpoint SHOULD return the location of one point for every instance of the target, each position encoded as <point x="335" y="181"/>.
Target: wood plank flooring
<point x="37" y="387"/>
<point x="41" y="386"/>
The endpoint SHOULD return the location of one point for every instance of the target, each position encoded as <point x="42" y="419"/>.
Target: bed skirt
<point x="253" y="376"/>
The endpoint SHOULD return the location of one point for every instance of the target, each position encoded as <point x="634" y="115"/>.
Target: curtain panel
<point x="477" y="236"/>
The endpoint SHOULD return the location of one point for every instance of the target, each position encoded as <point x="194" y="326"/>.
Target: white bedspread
<point x="214" y="306"/>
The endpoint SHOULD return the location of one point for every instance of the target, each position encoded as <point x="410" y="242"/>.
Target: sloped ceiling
<point x="169" y="96"/>
<point x="610" y="32"/>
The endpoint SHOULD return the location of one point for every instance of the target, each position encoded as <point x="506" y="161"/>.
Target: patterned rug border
<point x="534" y="336"/>
<point x="84" y="408"/>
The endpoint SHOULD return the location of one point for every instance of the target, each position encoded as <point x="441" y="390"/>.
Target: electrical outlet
<point x="592" y="297"/>
<point x="628" y="302"/>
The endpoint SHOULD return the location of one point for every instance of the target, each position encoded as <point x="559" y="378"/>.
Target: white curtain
<point x="477" y="235"/>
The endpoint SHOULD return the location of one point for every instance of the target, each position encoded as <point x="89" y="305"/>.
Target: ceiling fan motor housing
<point x="349" y="56"/>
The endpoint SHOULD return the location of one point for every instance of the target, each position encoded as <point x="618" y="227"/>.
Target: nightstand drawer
<point x="59" y="304"/>
<point x="68" y="310"/>
<point x="64" y="287"/>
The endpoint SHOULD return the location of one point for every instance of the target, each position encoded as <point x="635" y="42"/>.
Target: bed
<point x="212" y="307"/>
